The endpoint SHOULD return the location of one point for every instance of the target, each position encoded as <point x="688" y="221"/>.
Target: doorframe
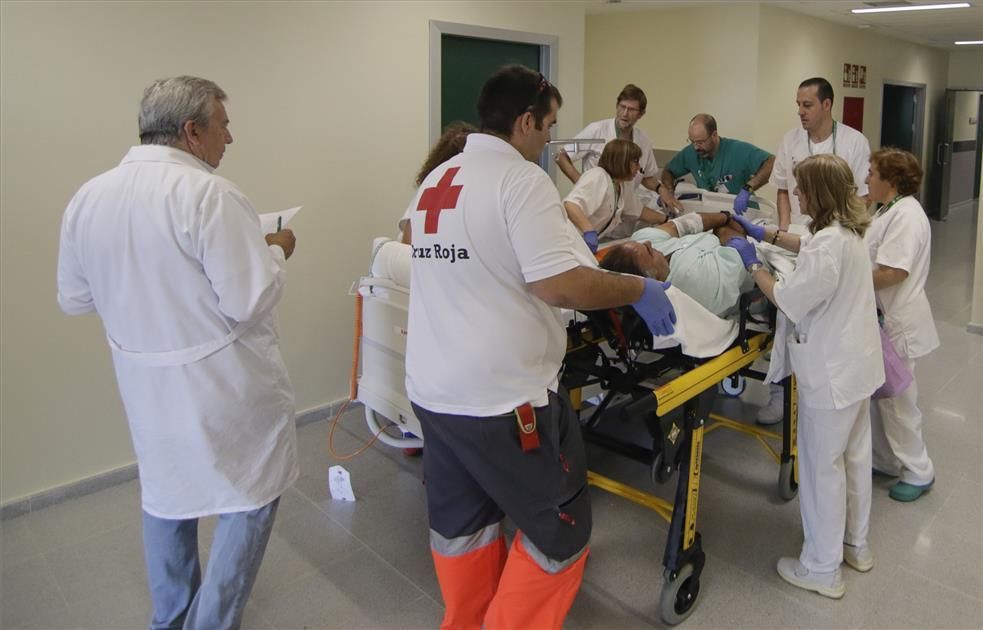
<point x="918" y="135"/>
<point x="549" y="50"/>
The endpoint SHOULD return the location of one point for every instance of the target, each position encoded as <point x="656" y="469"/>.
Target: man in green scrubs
<point x="717" y="164"/>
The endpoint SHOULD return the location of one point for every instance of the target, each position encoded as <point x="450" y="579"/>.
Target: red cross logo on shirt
<point x="441" y="197"/>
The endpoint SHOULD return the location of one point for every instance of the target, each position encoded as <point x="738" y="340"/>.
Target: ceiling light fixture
<point x="969" y="43"/>
<point x="914" y="7"/>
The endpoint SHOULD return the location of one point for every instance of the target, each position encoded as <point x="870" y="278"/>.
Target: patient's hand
<point x="727" y="232"/>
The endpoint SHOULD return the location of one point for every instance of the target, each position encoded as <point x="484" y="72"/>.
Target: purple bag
<point x="897" y="378"/>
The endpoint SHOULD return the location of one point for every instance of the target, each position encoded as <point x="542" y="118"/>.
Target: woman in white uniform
<point x="603" y="204"/>
<point x="828" y="336"/>
<point x="899" y="241"/>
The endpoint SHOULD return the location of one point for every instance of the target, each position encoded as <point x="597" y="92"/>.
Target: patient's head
<point x="638" y="258"/>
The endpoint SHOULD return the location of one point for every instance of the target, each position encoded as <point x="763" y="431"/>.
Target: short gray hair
<point x="168" y="103"/>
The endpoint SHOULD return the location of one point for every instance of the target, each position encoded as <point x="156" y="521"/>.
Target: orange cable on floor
<point x="353" y="388"/>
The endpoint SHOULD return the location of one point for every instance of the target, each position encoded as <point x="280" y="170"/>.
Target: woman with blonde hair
<point x="603" y="203"/>
<point x="900" y="246"/>
<point x="827" y="336"/>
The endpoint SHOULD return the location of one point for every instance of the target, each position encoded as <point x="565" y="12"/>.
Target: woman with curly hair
<point x="900" y="245"/>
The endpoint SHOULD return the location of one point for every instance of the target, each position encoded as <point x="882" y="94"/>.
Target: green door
<point x="465" y="65"/>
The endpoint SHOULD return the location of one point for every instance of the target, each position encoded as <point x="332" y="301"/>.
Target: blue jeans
<point x="181" y="599"/>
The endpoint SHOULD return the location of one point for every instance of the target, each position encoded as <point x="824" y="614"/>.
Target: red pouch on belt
<point x="525" y="417"/>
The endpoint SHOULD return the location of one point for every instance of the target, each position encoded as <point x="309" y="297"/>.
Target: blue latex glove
<point x="740" y="202"/>
<point x="757" y="232"/>
<point x="590" y="237"/>
<point x="655" y="309"/>
<point x="749" y="255"/>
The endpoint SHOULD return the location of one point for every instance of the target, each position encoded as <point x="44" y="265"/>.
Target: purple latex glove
<point x="655" y="309"/>
<point x="590" y="237"/>
<point x="749" y="255"/>
<point x="740" y="202"/>
<point x="757" y="232"/>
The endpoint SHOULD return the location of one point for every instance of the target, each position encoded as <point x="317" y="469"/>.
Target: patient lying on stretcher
<point x="688" y="251"/>
<point x="699" y="333"/>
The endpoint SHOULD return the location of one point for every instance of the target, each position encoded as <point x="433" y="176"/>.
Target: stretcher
<point x="611" y="352"/>
<point x="672" y="395"/>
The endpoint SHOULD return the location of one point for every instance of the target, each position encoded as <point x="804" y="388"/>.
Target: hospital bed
<point x="632" y="375"/>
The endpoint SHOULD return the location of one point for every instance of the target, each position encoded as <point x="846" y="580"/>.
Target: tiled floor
<point x="79" y="564"/>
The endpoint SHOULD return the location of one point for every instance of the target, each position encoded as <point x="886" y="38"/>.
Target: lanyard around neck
<point x="883" y="209"/>
<point x="809" y="140"/>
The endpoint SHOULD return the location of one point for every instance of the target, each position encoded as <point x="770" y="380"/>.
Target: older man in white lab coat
<point x="173" y="260"/>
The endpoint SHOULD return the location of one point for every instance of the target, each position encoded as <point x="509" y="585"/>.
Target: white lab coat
<point x="901" y="238"/>
<point x="828" y="323"/>
<point x="172" y="258"/>
<point x="594" y="195"/>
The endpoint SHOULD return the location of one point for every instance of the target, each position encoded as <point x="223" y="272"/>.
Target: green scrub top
<point x="702" y="268"/>
<point x="732" y="166"/>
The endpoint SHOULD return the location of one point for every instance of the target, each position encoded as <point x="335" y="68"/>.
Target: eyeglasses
<point x="699" y="143"/>
<point x="628" y="110"/>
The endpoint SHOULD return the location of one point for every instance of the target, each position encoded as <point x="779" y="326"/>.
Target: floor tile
<point x="29" y="595"/>
<point x="914" y="601"/>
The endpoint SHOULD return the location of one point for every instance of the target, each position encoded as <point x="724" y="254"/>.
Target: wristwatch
<point x="748" y="187"/>
<point x="754" y="267"/>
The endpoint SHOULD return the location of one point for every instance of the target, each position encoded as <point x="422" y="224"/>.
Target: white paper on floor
<point x="340" y="484"/>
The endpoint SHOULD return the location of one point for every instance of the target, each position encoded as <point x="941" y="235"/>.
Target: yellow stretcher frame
<point x="684" y="558"/>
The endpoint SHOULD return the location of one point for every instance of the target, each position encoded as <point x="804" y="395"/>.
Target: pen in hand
<point x="279" y="223"/>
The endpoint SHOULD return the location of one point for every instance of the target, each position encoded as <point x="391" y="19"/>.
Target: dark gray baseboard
<point x="95" y="483"/>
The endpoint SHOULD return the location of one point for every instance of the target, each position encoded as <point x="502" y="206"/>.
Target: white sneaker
<point x="827" y="584"/>
<point x="860" y="558"/>
<point x="773" y="412"/>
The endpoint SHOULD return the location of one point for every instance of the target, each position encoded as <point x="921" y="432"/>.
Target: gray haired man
<point x="172" y="258"/>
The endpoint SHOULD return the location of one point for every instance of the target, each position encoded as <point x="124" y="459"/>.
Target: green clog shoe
<point x="907" y="492"/>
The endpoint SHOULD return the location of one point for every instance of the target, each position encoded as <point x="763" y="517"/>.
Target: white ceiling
<point x="933" y="28"/>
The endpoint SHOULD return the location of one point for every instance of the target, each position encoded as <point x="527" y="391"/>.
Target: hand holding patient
<point x="285" y="239"/>
<point x="757" y="232"/>
<point x="655" y="308"/>
<point x="591" y="238"/>
<point x="749" y="255"/>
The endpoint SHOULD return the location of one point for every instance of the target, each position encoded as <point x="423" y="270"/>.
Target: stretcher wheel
<point x="679" y="595"/>
<point x="661" y="472"/>
<point x="787" y="487"/>
<point x="733" y="386"/>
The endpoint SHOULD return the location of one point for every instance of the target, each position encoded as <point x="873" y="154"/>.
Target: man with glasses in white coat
<point x="629" y="109"/>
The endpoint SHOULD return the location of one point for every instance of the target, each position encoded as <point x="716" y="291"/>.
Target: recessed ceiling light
<point x="969" y="43"/>
<point x="914" y="7"/>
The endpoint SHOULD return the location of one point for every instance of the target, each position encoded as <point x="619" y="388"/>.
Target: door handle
<point x="941" y="152"/>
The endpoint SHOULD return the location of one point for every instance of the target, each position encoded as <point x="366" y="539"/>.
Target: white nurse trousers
<point x="834" y="482"/>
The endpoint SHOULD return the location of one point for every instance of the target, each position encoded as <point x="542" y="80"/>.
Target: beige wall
<point x="329" y="109"/>
<point x="686" y="60"/>
<point x="966" y="119"/>
<point x="966" y="68"/>
<point x="690" y="60"/>
<point x="820" y="48"/>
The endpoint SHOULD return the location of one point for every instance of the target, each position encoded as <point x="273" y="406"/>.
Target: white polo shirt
<point x="847" y="142"/>
<point x="484" y="224"/>
<point x="901" y="238"/>
<point x="607" y="131"/>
